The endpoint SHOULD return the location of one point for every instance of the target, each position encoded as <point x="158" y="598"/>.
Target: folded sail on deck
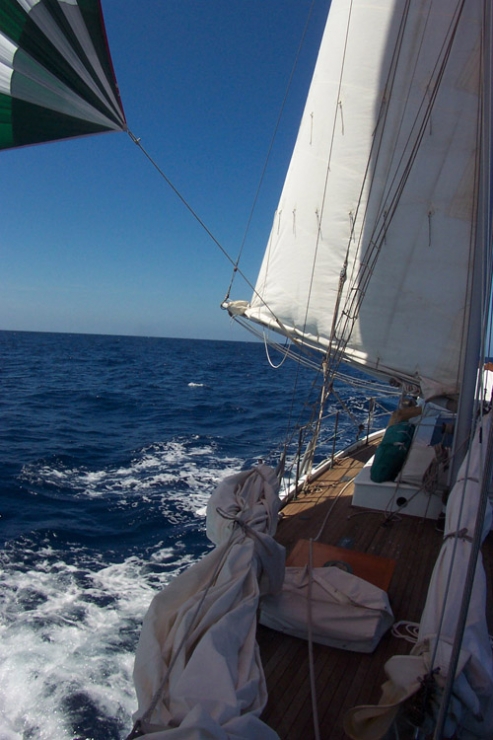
<point x="380" y="190"/>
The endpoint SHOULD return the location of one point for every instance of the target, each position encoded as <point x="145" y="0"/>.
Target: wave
<point x="69" y="631"/>
<point x="163" y="469"/>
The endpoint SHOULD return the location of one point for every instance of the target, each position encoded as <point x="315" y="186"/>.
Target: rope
<point x="320" y="215"/>
<point x="390" y="515"/>
<point x="469" y="581"/>
<point x="271" y="363"/>
<point x="187" y="205"/>
<point x="271" y="146"/>
<point x="359" y="282"/>
<point x="461" y="534"/>
<point x="311" y="664"/>
<point x="331" y="508"/>
<point x="247" y="530"/>
<point x="406" y="631"/>
<point x="184" y="201"/>
<point x="137" y="729"/>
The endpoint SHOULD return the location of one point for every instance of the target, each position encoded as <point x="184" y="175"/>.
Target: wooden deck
<point x="345" y="679"/>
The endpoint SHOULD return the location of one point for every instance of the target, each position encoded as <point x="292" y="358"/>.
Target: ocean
<point x="110" y="448"/>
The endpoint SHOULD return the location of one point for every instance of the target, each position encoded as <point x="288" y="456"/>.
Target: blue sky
<point x="93" y="240"/>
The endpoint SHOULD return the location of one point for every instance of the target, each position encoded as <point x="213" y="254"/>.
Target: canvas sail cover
<point x="473" y="687"/>
<point x="329" y="606"/>
<point x="197" y="669"/>
<point x="471" y="706"/>
<point x="56" y="75"/>
<point x="373" y="236"/>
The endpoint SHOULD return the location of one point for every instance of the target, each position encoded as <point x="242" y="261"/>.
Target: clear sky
<point x="93" y="240"/>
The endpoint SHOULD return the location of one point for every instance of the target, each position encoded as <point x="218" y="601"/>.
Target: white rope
<point x="331" y="508"/>
<point x="286" y="353"/>
<point x="406" y="631"/>
<point x="137" y="729"/>
<point x="313" y="691"/>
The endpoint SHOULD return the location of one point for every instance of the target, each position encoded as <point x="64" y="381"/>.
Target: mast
<point x="481" y="277"/>
<point x="480" y="307"/>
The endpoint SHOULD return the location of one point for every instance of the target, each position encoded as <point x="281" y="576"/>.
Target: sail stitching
<point x="336" y="346"/>
<point x="269" y="152"/>
<point x="327" y="172"/>
<point x="360" y="282"/>
<point x="356" y="294"/>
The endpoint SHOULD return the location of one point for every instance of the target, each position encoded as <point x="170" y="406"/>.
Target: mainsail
<point x="56" y="75"/>
<point x="374" y="234"/>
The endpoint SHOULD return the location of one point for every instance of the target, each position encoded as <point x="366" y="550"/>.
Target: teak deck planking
<point x="345" y="679"/>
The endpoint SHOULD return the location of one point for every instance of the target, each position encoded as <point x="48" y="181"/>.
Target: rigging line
<point x="356" y="294"/>
<point x="341" y="343"/>
<point x="373" y="156"/>
<point x="291" y="427"/>
<point x="138" y="727"/>
<point x="354" y="303"/>
<point x="271" y="363"/>
<point x="405" y="630"/>
<point x="271" y="146"/>
<point x="352" y="306"/>
<point x="467" y="400"/>
<point x="468" y="586"/>
<point x="456" y="536"/>
<point x="304" y="359"/>
<point x="487" y="146"/>
<point x="311" y="662"/>
<point x="331" y="508"/>
<point x="329" y="160"/>
<point x="443" y="54"/>
<point x="325" y="391"/>
<point x="345" y="407"/>
<point x="435" y="78"/>
<point x="388" y="92"/>
<point x="295" y="384"/>
<point x="310" y="362"/>
<point x="187" y="205"/>
<point x="380" y="126"/>
<point x="420" y="129"/>
<point x="475" y="226"/>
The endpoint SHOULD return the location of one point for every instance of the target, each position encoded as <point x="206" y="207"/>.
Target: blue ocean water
<point x="109" y="450"/>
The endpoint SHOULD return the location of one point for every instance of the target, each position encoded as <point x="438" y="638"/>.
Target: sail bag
<point x="336" y="607"/>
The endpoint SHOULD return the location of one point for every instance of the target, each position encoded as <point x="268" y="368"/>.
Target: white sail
<point x="381" y="187"/>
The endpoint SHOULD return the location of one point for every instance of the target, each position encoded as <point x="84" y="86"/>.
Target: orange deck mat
<point x="371" y="568"/>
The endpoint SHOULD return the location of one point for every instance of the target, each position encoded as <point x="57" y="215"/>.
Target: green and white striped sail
<point x="56" y="75"/>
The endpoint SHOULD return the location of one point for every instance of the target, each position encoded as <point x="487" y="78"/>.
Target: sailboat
<point x="379" y="260"/>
